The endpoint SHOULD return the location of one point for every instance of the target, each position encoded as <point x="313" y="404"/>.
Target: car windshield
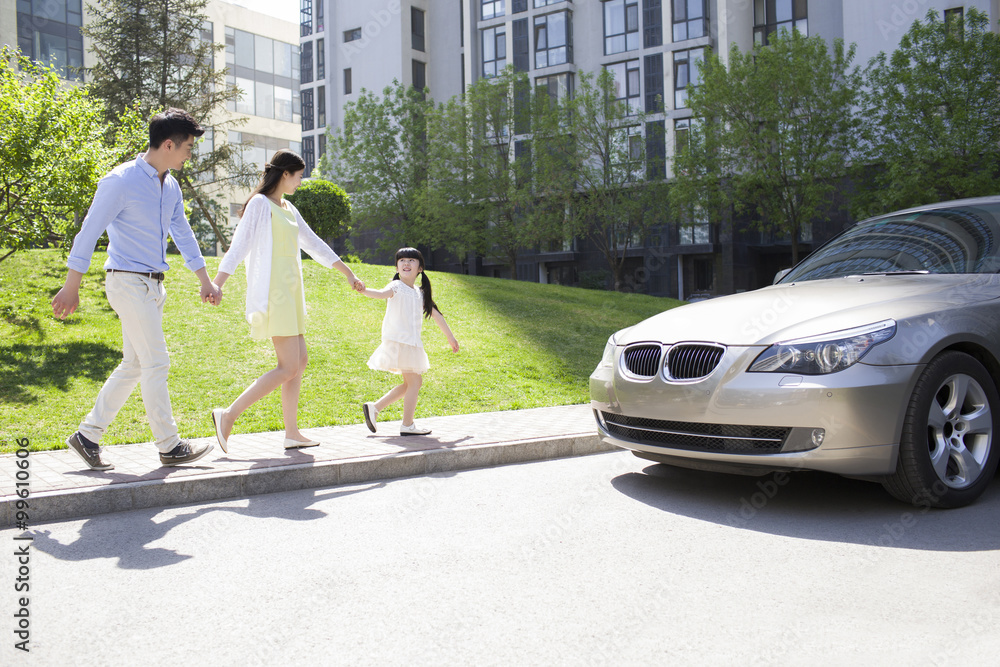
<point x="958" y="239"/>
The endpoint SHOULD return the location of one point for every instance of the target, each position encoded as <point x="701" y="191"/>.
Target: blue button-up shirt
<point x="138" y="214"/>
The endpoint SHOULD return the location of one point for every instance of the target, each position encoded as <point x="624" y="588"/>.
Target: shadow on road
<point x="816" y="506"/>
<point x="111" y="536"/>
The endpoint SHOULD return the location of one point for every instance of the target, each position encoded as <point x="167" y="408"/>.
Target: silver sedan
<point x="876" y="357"/>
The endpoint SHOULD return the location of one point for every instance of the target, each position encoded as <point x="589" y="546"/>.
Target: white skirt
<point x="399" y="358"/>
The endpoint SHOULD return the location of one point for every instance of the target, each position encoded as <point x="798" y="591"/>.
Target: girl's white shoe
<point x="413" y="429"/>
<point x="371" y="416"/>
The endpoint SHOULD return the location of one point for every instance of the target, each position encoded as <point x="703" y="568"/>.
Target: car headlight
<point x="827" y="353"/>
<point x="608" y="358"/>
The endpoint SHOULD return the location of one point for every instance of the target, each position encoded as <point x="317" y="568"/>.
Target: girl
<point x="401" y="350"/>
<point x="269" y="235"/>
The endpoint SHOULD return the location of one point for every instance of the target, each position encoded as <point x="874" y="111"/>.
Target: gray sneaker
<point x="89" y="451"/>
<point x="184" y="452"/>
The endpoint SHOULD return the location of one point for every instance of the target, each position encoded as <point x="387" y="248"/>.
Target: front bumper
<point x="847" y="422"/>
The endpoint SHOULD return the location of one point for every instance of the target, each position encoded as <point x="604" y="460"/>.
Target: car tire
<point x="947" y="451"/>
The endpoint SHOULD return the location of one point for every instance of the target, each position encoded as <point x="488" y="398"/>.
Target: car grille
<point x="685" y="361"/>
<point x="643" y="360"/>
<point x="727" y="438"/>
<point x="691" y="362"/>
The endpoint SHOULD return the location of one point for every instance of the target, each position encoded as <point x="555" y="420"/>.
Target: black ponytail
<point x="425" y="282"/>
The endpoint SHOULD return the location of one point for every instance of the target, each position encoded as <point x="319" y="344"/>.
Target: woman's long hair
<point x="425" y="282"/>
<point x="282" y="161"/>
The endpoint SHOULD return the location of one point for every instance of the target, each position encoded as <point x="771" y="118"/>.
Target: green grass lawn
<point x="524" y="345"/>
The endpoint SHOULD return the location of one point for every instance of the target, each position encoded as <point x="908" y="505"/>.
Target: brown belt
<point x="148" y="274"/>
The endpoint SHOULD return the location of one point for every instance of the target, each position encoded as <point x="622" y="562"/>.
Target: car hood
<point x="783" y="312"/>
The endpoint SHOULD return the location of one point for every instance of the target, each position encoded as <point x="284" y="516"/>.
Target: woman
<point x="269" y="236"/>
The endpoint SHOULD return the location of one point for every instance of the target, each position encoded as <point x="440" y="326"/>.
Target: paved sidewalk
<point x="62" y="487"/>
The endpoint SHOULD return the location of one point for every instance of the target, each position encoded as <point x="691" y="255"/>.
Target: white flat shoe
<point x="371" y="416"/>
<point x="413" y="429"/>
<point x="299" y="444"/>
<point x="217" y="420"/>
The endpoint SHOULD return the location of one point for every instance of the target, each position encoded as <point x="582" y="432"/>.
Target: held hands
<point x="212" y="293"/>
<point x="357" y="284"/>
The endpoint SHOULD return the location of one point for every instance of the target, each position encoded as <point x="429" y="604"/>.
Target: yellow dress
<point x="286" y="304"/>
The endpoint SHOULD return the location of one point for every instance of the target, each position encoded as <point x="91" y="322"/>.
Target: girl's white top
<point x="252" y="241"/>
<point x="403" y="314"/>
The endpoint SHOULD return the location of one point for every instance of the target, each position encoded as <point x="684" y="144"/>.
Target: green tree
<point x="451" y="217"/>
<point x="325" y="206"/>
<point x="932" y="116"/>
<point x="54" y="148"/>
<point x="498" y="172"/>
<point x="379" y="154"/>
<point x="774" y="130"/>
<point x="616" y="205"/>
<point x="155" y="53"/>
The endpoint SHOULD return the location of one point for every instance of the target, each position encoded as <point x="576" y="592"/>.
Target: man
<point x="139" y="203"/>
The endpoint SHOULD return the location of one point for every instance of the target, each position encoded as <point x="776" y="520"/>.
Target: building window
<point x="557" y="87"/>
<point x="264" y="99"/>
<point x="283" y="108"/>
<point x="352" y="35"/>
<point x="652" y="23"/>
<point x="306" y="17"/>
<point x="320" y="60"/>
<point x="319" y="16"/>
<point x="494" y="51"/>
<point x="419" y="75"/>
<point x="309" y="154"/>
<point x="687" y="71"/>
<point x="307" y="110"/>
<point x="552" y="40"/>
<point x="347" y="81"/>
<point x="522" y="50"/>
<point x="690" y="19"/>
<point x="321" y="107"/>
<point x="656" y="151"/>
<point x="49" y="34"/>
<point x="653" y="67"/>
<point x="621" y="26"/>
<point x="492" y="8"/>
<point x="306" y="63"/>
<point x="770" y="16"/>
<point x="417" y="28"/>
<point x="283" y="60"/>
<point x="257" y="149"/>
<point x="703" y="273"/>
<point x="627" y="88"/>
<point x="694" y="234"/>
<point x="543" y="3"/>
<point x="954" y="20"/>
<point x="682" y="130"/>
<point x="266" y="71"/>
<point x="518" y="6"/>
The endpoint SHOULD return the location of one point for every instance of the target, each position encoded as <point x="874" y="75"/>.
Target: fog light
<point x="817" y="436"/>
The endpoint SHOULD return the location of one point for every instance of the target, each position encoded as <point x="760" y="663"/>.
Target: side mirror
<point x="779" y="275"/>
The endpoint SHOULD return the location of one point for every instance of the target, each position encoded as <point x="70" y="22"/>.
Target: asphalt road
<point x="605" y="559"/>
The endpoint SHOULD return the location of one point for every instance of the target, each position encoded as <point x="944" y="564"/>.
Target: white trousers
<point x="138" y="300"/>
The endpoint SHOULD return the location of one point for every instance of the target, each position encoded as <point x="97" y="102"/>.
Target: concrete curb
<point x="73" y="503"/>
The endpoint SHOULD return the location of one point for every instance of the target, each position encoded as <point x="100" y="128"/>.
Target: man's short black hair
<point x="174" y="124"/>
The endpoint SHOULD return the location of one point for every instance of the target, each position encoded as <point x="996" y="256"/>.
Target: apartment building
<point x="651" y="46"/>
<point x="261" y="54"/>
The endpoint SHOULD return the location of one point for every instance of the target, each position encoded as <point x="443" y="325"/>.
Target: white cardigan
<point x="252" y="241"/>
